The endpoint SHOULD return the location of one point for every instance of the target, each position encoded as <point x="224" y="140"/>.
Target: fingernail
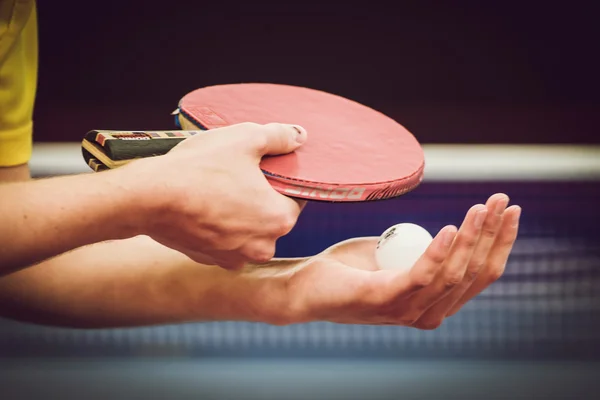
<point x="301" y="136"/>
<point x="516" y="217"/>
<point x="501" y="205"/>
<point x="479" y="218"/>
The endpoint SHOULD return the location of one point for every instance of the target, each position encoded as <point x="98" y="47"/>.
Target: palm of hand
<point x="344" y="285"/>
<point x="340" y="281"/>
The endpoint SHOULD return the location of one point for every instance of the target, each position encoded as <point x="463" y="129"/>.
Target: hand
<point x="344" y="285"/>
<point x="209" y="199"/>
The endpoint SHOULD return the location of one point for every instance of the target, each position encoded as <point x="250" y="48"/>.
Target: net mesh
<point x="546" y="304"/>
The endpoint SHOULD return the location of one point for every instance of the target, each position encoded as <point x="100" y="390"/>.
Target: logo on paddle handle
<point x="132" y="136"/>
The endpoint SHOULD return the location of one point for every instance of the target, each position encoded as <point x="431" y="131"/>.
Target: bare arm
<point x="192" y="200"/>
<point x="132" y="282"/>
<point x="43" y="218"/>
<point x="138" y="282"/>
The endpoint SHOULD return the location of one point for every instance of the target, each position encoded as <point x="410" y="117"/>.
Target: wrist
<point x="144" y="200"/>
<point x="260" y="293"/>
<point x="150" y="202"/>
<point x="124" y="204"/>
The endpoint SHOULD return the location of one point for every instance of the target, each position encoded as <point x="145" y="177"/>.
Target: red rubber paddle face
<point x="353" y="153"/>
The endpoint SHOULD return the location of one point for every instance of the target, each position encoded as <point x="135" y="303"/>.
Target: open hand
<point x="344" y="285"/>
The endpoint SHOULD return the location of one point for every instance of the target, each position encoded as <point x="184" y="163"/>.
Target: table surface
<point x="175" y="379"/>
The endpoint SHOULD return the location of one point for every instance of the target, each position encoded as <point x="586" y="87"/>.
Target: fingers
<point x="431" y="262"/>
<point x="495" y="205"/>
<point x="453" y="266"/>
<point x="383" y="289"/>
<point x="497" y="258"/>
<point x="423" y="272"/>
<point x="280" y="217"/>
<point x="260" y="140"/>
<point x="273" y="139"/>
<point x="278" y="220"/>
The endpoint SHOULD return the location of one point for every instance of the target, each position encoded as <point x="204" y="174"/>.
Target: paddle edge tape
<point x="345" y="193"/>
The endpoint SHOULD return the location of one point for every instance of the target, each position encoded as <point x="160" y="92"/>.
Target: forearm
<point x="138" y="282"/>
<point x="43" y="218"/>
<point x="17" y="173"/>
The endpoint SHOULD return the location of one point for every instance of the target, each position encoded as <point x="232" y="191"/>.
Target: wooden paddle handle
<point x="126" y="145"/>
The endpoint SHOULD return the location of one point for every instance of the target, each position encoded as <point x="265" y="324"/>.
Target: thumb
<point x="275" y="139"/>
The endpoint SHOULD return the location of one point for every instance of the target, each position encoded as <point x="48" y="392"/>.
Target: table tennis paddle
<point x="353" y="152"/>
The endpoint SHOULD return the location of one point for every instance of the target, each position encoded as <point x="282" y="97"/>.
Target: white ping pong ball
<point x="401" y="245"/>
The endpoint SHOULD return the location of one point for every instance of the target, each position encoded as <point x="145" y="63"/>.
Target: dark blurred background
<point x="451" y="72"/>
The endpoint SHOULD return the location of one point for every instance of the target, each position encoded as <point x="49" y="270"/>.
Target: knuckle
<point x="215" y="241"/>
<point x="495" y="274"/>
<point x="452" y="279"/>
<point x="421" y="281"/>
<point x="473" y="270"/>
<point x="469" y="241"/>
<point x="471" y="275"/>
<point x="435" y="255"/>
<point x="273" y="129"/>
<point x="283" y="223"/>
<point x="287" y="223"/>
<point x="261" y="253"/>
<point x="508" y="240"/>
<point x="260" y="142"/>
<point x="488" y="232"/>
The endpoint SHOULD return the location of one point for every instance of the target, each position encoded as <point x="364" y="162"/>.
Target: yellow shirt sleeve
<point x="18" y="79"/>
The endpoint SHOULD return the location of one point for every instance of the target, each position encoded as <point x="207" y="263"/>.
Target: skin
<point x="183" y="200"/>
<point x="136" y="275"/>
<point x="346" y="286"/>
